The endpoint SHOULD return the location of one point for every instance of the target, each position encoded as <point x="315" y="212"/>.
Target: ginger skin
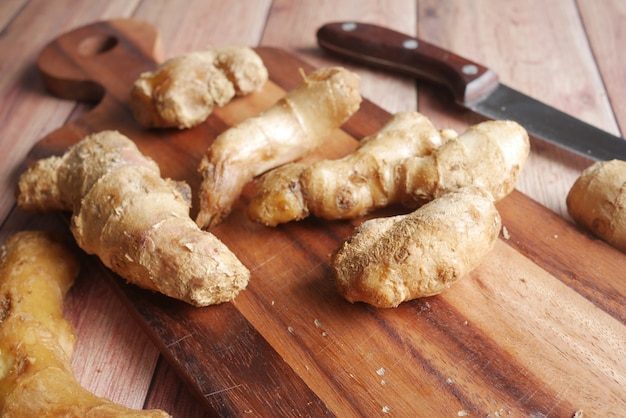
<point x="490" y="154"/>
<point x="388" y="261"/>
<point x="406" y="162"/>
<point x="597" y="201"/>
<point x="291" y="128"/>
<point x="347" y="187"/>
<point x="36" y="342"/>
<point x="182" y="91"/>
<point x="136" y="222"/>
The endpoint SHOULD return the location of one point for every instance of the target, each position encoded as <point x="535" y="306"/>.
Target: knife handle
<point x="391" y="50"/>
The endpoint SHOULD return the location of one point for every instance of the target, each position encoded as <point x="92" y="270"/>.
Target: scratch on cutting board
<point x="324" y="348"/>
<point x="173" y="343"/>
<point x="223" y="390"/>
<point x="277" y="254"/>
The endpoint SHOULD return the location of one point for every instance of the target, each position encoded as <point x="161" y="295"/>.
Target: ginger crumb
<point x="189" y="246"/>
<point x="463" y="413"/>
<point x="505" y="233"/>
<point x="386" y="409"/>
<point x="381" y="371"/>
<point x="319" y="325"/>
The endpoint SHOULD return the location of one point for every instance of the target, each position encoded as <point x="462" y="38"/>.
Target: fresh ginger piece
<point x="408" y="161"/>
<point x="36" y="342"/>
<point x="183" y="91"/>
<point x="350" y="186"/>
<point x="490" y="154"/>
<point x="597" y="201"/>
<point x="135" y="221"/>
<point x="291" y="128"/>
<point x="279" y="197"/>
<point x="388" y="261"/>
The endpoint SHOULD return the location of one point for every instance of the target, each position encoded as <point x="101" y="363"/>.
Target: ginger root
<point x="135" y="221"/>
<point x="183" y="90"/>
<point x="294" y="126"/>
<point x="350" y="186"/>
<point x="597" y="201"/>
<point x="388" y="261"/>
<point x="36" y="342"/>
<point x="408" y="161"/>
<point x="490" y="154"/>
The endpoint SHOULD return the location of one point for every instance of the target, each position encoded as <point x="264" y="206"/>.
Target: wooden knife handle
<point x="385" y="48"/>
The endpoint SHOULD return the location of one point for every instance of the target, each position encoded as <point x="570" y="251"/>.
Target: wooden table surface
<point x="567" y="53"/>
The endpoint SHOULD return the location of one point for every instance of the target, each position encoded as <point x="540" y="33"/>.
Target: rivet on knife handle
<point x="391" y="50"/>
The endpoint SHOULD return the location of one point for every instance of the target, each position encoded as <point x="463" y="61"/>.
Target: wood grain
<point x="503" y="35"/>
<point x="601" y="19"/>
<point x="302" y="19"/>
<point x="511" y="336"/>
<point x="27" y="113"/>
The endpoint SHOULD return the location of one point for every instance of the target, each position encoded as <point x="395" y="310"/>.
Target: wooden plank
<point x="504" y="36"/>
<point x="302" y="19"/>
<point x="604" y="25"/>
<point x="203" y="24"/>
<point x="169" y="393"/>
<point x="289" y="344"/>
<point x="8" y="10"/>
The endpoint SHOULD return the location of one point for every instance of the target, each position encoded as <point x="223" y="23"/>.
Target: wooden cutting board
<point x="537" y="330"/>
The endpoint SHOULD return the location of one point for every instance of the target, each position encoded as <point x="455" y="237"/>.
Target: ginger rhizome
<point x="391" y="260"/>
<point x="135" y="221"/>
<point x="408" y="162"/>
<point x="597" y="201"/>
<point x="183" y="91"/>
<point x="36" y="342"/>
<point x="388" y="261"/>
<point x="347" y="187"/>
<point x="297" y="124"/>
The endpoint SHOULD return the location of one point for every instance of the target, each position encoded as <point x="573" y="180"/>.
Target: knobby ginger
<point x="391" y="260"/>
<point x="36" y="342"/>
<point x="183" y="90"/>
<point x="406" y="162"/>
<point x="597" y="201"/>
<point x="350" y="186"/>
<point x="489" y="154"/>
<point x="135" y="221"/>
<point x="291" y="128"/>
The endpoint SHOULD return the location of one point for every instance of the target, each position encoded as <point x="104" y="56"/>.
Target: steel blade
<point x="549" y="124"/>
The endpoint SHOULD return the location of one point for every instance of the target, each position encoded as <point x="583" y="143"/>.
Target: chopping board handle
<point x="96" y="63"/>
<point x="102" y="57"/>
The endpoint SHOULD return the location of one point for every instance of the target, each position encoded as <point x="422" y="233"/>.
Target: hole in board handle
<point x="96" y="45"/>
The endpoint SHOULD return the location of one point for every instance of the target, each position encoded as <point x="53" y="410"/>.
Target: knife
<point x="473" y="85"/>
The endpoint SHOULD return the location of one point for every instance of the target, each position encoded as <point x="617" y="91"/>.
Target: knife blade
<point x="474" y="86"/>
